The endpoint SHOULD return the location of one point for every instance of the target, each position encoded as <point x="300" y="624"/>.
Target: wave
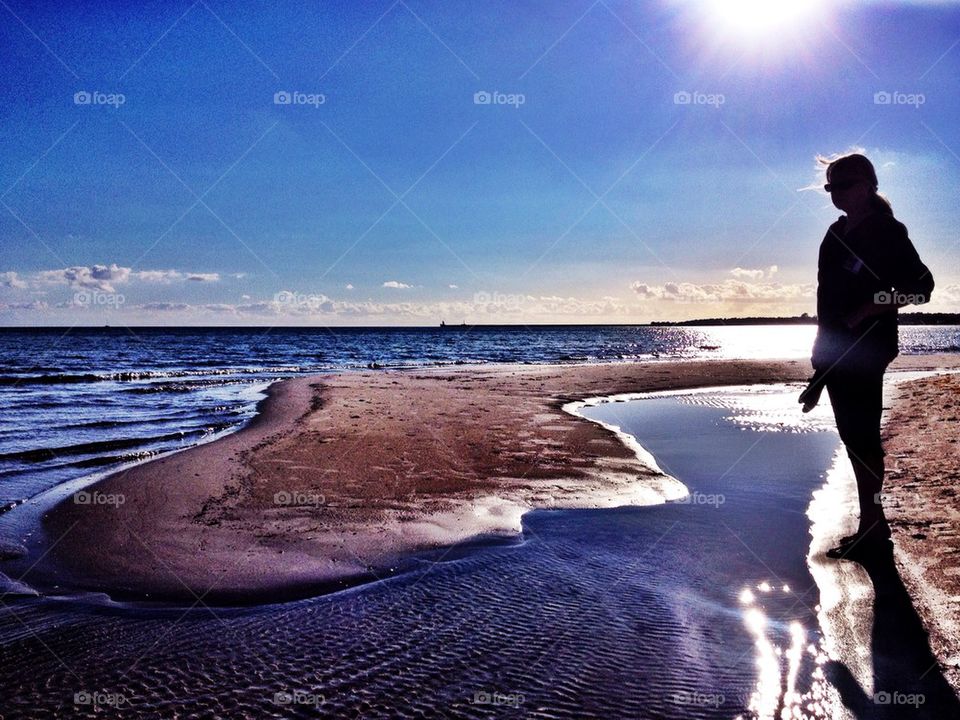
<point x="137" y="375"/>
<point x="102" y="446"/>
<point x="55" y="379"/>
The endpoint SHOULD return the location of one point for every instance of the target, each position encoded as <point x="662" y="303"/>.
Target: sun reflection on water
<point x="791" y="684"/>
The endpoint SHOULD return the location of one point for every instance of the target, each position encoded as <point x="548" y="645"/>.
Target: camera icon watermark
<point x="302" y="301"/>
<point x="500" y="301"/>
<point x="91" y="298"/>
<point x="295" y="97"/>
<point x="295" y="498"/>
<point x="697" y="698"/>
<point x="96" y="497"/>
<point x="95" y="97"/>
<point x="685" y="97"/>
<point x="483" y="97"/>
<point x="883" y="97"/>
<point x="99" y="699"/>
<point x="898" y="298"/>
<point x="898" y="698"/>
<point x="699" y="498"/>
<point x="286" y="698"/>
<point x="499" y="699"/>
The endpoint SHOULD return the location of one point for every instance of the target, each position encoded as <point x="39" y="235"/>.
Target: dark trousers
<point x="857" y="400"/>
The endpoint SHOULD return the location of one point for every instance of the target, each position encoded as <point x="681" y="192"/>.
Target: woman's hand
<point x="856" y="317"/>
<point x="867" y="311"/>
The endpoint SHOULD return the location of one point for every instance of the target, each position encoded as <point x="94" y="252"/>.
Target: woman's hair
<point x="857" y="166"/>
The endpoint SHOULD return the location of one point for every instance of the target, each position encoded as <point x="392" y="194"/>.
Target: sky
<point x="411" y="161"/>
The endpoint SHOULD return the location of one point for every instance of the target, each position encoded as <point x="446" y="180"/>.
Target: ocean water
<point x="84" y="400"/>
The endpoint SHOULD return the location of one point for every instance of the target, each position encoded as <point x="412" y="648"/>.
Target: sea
<point x="78" y="401"/>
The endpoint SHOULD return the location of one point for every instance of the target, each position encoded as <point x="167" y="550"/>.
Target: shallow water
<point x="697" y="609"/>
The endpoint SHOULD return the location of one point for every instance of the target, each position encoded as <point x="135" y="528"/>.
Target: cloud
<point x="95" y="277"/>
<point x="453" y="287"/>
<point x="12" y="280"/>
<point x="36" y="305"/>
<point x="165" y="306"/>
<point x="348" y="286"/>
<point x="159" y="276"/>
<point x="728" y="291"/>
<point x="396" y="284"/>
<point x="103" y="278"/>
<point x="168" y="276"/>
<point x="755" y="274"/>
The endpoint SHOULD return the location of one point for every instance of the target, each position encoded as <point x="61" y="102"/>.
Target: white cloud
<point x="165" y="306"/>
<point x="103" y="278"/>
<point x="755" y="274"/>
<point x="94" y="277"/>
<point x="396" y="284"/>
<point x="159" y="276"/>
<point x="348" y="286"/>
<point x="12" y="280"/>
<point x="453" y="287"/>
<point x="728" y="291"/>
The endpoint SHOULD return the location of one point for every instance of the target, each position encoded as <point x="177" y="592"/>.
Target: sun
<point x="760" y="17"/>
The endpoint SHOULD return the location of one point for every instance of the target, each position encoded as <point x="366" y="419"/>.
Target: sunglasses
<point x="840" y="186"/>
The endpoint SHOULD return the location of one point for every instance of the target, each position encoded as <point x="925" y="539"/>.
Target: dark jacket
<point x="874" y="263"/>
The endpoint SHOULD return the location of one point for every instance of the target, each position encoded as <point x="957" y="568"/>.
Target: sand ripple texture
<point x="546" y="629"/>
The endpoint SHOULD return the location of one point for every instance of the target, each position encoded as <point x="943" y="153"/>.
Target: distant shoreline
<point x="932" y="319"/>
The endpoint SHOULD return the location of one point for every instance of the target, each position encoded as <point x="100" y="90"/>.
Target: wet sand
<point x="341" y="477"/>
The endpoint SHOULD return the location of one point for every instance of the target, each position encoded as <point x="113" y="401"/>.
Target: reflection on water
<point x="785" y="661"/>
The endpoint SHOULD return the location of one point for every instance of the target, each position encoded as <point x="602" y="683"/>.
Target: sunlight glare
<point x="758" y="17"/>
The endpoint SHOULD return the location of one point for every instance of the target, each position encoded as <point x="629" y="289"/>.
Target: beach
<point x="922" y="433"/>
<point x="339" y="476"/>
<point x="477" y="533"/>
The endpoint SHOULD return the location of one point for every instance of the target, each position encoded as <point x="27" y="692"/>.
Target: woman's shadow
<point x="907" y="680"/>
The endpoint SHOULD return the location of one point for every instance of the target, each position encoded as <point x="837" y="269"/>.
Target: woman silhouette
<point x="868" y="268"/>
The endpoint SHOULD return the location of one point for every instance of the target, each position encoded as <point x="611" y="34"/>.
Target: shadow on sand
<point x="906" y="677"/>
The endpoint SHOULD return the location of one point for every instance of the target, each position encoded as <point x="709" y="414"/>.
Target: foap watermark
<point x="699" y="699"/>
<point x="898" y="298"/>
<point x="685" y="97"/>
<point x="91" y="298"/>
<point x="879" y="498"/>
<point x="882" y="97"/>
<point x="96" y="497"/>
<point x="98" y="699"/>
<point x="95" y="97"/>
<point x="505" y="301"/>
<point x="296" y="499"/>
<point x="898" y="698"/>
<point x="500" y="699"/>
<point x="484" y="97"/>
<point x="699" y="498"/>
<point x="287" y="698"/>
<point x="295" y="97"/>
<point x="301" y="301"/>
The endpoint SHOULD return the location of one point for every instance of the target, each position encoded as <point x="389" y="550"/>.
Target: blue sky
<point x="636" y="161"/>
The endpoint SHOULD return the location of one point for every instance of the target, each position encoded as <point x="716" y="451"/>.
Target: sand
<point x="341" y="476"/>
<point x="922" y="440"/>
